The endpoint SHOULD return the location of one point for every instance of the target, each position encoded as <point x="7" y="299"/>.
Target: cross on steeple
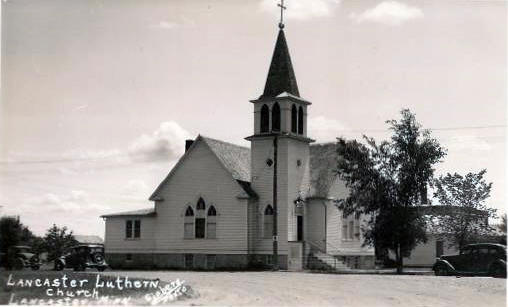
<point x="282" y="8"/>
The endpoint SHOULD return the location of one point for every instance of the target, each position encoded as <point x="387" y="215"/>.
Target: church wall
<point x="262" y="183"/>
<point x="334" y="238"/>
<point x="296" y="180"/>
<point x="254" y="230"/>
<point x="315" y="222"/>
<point x="202" y="175"/>
<point x="115" y="235"/>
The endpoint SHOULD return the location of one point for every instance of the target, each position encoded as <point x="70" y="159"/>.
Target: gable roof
<point x="234" y="158"/>
<point x="281" y="77"/>
<point x="141" y="212"/>
<point x="323" y="166"/>
<point x="84" y="239"/>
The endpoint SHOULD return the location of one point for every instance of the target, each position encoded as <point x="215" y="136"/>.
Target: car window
<point x="492" y="250"/>
<point x="465" y="251"/>
<point x="483" y="250"/>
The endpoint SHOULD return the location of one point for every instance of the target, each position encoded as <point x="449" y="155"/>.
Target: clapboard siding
<point x="424" y="254"/>
<point x="201" y="175"/>
<point x="315" y="221"/>
<point x="115" y="235"/>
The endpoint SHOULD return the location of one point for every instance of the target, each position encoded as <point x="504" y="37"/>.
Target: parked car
<point x="83" y="256"/>
<point x="474" y="259"/>
<point x="19" y="257"/>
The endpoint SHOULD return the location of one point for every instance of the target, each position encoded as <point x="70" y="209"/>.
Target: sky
<point x="98" y="97"/>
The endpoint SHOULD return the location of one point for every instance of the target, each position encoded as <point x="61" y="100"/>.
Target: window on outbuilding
<point x="300" y="120"/>
<point x="276" y="117"/>
<point x="294" y="118"/>
<point x="268" y="222"/>
<point x="265" y="118"/>
<point x="189" y="212"/>
<point x="137" y="229"/>
<point x="132" y="229"/>
<point x="128" y="229"/>
<point x="351" y="229"/>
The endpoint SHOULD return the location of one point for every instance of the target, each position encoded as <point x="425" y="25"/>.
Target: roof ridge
<point x="224" y="142"/>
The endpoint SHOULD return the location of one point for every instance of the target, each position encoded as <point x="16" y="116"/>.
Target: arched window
<point x="201" y="204"/>
<point x="212" y="211"/>
<point x="294" y="118"/>
<point x="300" y="120"/>
<point x="268" y="222"/>
<point x="199" y="224"/>
<point x="211" y="223"/>
<point x="188" y="226"/>
<point x="276" y="117"/>
<point x="265" y="118"/>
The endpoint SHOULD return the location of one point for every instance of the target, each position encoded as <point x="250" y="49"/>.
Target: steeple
<point x="281" y="77"/>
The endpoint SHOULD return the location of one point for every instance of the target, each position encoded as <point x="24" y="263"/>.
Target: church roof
<point x="323" y="165"/>
<point x="88" y="239"/>
<point x="235" y="158"/>
<point x="281" y="77"/>
<point x="140" y="212"/>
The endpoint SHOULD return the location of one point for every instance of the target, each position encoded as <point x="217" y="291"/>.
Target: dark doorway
<point x="299" y="228"/>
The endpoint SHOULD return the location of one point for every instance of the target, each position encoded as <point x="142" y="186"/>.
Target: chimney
<point x="188" y="144"/>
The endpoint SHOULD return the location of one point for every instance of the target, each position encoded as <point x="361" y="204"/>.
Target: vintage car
<point x="474" y="259"/>
<point x="19" y="257"/>
<point x="81" y="257"/>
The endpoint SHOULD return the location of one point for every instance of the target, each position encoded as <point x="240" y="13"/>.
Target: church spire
<point x="281" y="77"/>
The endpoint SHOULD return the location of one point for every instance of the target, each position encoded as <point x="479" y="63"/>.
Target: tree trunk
<point x="398" y="260"/>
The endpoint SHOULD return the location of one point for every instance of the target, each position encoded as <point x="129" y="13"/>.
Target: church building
<point x="225" y="206"/>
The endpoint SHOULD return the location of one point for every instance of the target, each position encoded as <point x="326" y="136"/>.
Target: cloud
<point x="388" y="12"/>
<point x="136" y="189"/>
<point x="165" y="143"/>
<point x="165" y="25"/>
<point x="170" y="25"/>
<point x="76" y="201"/>
<point x="301" y="9"/>
<point x="325" y="129"/>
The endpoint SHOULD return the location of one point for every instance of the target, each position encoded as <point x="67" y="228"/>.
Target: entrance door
<point x="299" y="228"/>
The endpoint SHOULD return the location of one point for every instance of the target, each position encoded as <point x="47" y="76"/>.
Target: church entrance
<point x="299" y="228"/>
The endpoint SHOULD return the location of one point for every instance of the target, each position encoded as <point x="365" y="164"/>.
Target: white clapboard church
<point x="216" y="207"/>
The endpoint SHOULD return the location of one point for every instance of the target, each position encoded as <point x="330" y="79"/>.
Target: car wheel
<point x="498" y="271"/>
<point x="441" y="270"/>
<point x="59" y="266"/>
<point x="35" y="267"/>
<point x="101" y="268"/>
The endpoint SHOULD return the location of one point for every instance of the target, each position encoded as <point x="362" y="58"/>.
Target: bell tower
<point x="280" y="153"/>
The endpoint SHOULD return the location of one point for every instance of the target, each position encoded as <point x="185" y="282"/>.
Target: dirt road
<point x="290" y="289"/>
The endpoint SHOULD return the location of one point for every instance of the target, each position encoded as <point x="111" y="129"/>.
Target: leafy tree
<point x="502" y="226"/>
<point x="387" y="181"/>
<point x="57" y="240"/>
<point x="468" y="216"/>
<point x="10" y="232"/>
<point x="13" y="232"/>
